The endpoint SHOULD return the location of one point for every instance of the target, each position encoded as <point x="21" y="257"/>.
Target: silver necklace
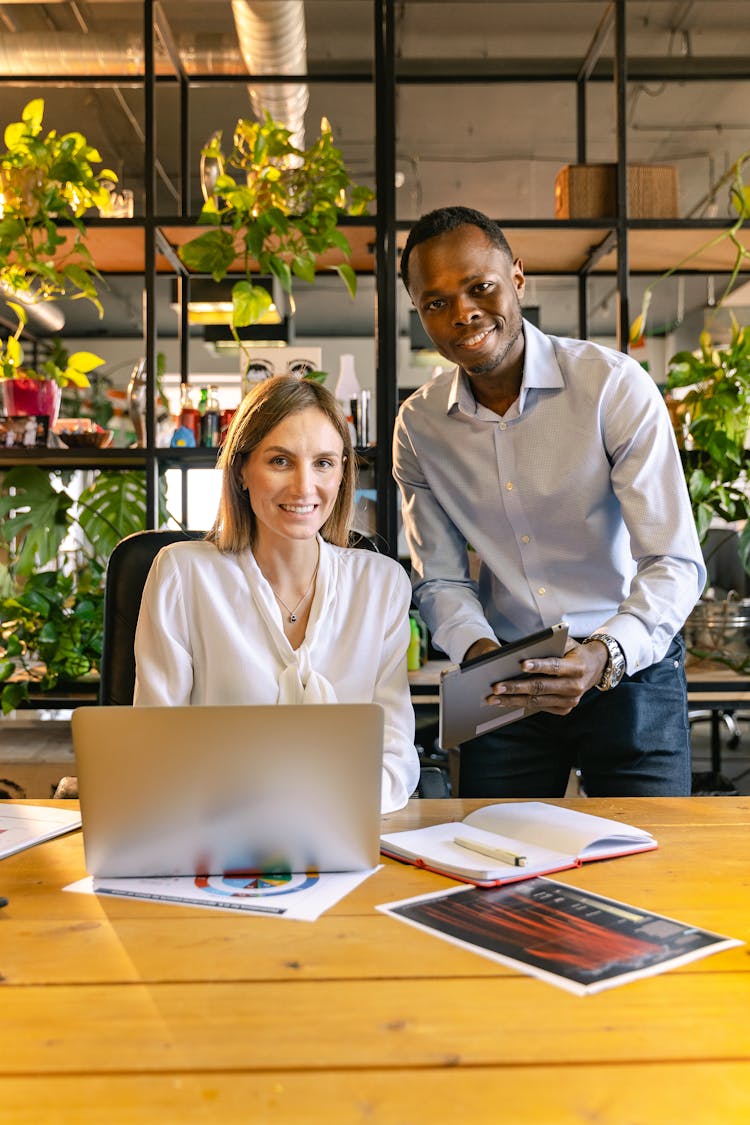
<point x="293" y="612"/>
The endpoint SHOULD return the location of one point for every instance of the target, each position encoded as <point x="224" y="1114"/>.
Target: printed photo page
<point x="572" y="938"/>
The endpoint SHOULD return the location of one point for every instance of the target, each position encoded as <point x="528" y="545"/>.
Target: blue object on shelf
<point x="183" y="436"/>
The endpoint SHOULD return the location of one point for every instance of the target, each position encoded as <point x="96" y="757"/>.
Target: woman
<point x="273" y="606"/>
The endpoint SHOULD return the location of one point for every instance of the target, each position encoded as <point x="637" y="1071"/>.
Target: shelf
<point x="654" y="249"/>
<point x="73" y="458"/>
<point x="546" y="246"/>
<point x="106" y="458"/>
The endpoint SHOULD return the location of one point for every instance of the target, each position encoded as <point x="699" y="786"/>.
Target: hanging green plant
<point x="280" y="209"/>
<point x="46" y="179"/>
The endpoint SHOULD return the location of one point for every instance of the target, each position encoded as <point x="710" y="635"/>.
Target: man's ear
<point x="519" y="278"/>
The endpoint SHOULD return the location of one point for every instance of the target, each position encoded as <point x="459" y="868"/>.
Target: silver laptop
<point x="213" y="790"/>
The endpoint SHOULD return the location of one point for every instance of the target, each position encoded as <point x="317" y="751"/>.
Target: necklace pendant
<point x="292" y="617"/>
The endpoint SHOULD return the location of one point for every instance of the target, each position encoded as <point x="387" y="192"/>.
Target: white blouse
<point x="210" y="632"/>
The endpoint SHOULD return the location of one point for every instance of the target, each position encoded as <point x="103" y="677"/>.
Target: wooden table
<point x="118" y="1011"/>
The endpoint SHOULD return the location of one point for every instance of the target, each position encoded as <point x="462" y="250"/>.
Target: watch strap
<point x="614" y="669"/>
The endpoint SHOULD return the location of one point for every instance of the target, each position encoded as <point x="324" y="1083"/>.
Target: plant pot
<point x="31" y="396"/>
<point x="720" y="631"/>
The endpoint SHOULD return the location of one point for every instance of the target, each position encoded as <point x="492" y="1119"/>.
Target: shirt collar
<point x="540" y="371"/>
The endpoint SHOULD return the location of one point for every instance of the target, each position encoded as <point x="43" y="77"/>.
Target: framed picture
<point x="23" y="430"/>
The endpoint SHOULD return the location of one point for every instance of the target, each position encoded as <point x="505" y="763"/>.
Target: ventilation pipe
<point x="272" y="40"/>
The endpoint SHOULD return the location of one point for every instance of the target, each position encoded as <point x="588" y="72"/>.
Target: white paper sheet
<point x="22" y="826"/>
<point x="300" y="897"/>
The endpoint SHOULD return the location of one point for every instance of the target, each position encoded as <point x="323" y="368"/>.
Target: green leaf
<point x="13" y="695"/>
<point x="115" y="506"/>
<point x="42" y="518"/>
<point x="7" y="668"/>
<point x="211" y="252"/>
<point x="282" y="271"/>
<point x="349" y="277"/>
<point x="249" y="303"/>
<point x="304" y="267"/>
<point x="85" y="361"/>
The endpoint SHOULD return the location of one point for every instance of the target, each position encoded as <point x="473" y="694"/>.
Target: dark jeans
<point x="633" y="741"/>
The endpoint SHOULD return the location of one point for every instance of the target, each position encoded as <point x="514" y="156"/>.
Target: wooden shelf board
<point x="361" y="239"/>
<point x="73" y="458"/>
<point x="551" y="249"/>
<point x="653" y="251"/>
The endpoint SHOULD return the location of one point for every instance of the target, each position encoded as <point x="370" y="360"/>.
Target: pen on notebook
<point x="480" y="848"/>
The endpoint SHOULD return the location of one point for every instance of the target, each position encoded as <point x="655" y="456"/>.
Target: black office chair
<point x="127" y="571"/>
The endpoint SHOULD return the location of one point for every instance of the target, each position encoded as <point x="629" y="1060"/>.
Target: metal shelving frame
<point x="386" y="74"/>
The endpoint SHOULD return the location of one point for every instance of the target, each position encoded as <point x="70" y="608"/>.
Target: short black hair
<point x="445" y="219"/>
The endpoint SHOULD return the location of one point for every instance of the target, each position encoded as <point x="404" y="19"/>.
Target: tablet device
<point x="464" y="687"/>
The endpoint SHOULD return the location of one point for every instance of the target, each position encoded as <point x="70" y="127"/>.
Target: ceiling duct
<point x="43" y="317"/>
<point x="273" y="40"/>
<point x="27" y="52"/>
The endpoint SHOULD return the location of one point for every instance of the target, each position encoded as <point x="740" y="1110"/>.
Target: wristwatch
<point x="614" y="669"/>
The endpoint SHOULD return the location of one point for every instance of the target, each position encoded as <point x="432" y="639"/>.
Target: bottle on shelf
<point x="413" y="653"/>
<point x="189" y="415"/>
<point x="211" y="419"/>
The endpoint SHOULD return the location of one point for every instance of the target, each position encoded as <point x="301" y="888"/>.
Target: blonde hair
<point x="262" y="409"/>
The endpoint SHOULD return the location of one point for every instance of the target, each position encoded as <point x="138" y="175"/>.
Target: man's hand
<point x="557" y="684"/>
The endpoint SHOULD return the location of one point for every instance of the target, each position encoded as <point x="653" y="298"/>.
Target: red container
<point x="31" y="396"/>
<point x="190" y="417"/>
<point x="226" y="418"/>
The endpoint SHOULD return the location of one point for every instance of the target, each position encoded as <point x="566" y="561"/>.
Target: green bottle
<point x="413" y="653"/>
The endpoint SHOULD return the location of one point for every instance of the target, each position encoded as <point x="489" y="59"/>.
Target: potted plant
<point x="28" y="390"/>
<point x="277" y="213"/>
<point x="52" y="580"/>
<point x="712" y="417"/>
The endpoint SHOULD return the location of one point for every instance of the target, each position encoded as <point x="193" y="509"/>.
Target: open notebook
<point x="509" y="842"/>
<point x="212" y="790"/>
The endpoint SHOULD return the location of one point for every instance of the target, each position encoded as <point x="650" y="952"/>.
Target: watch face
<point x="615" y="668"/>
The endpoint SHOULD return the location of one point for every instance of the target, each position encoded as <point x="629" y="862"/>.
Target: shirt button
<point x="503" y="425"/>
<point x="542" y="590"/>
<point x="525" y="539"/>
<point x="509" y="486"/>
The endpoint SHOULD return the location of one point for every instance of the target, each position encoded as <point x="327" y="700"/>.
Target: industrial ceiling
<point x="493" y="136"/>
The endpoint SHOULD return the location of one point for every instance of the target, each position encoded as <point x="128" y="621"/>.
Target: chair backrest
<point x="721" y="554"/>
<point x="127" y="570"/>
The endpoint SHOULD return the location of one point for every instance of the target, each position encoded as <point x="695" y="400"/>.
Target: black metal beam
<point x="386" y="271"/>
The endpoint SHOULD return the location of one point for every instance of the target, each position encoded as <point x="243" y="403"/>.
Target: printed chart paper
<point x="574" y="939"/>
<point x="301" y="897"/>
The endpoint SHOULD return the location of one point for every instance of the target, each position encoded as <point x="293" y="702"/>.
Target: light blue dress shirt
<point x="574" y="500"/>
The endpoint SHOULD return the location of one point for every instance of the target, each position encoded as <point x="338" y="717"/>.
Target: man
<point x="556" y="461"/>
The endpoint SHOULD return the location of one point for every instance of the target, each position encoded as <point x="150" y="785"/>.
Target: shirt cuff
<point x="633" y="638"/>
<point x="460" y="640"/>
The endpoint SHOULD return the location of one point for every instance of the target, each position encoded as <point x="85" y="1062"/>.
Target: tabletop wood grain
<point x="115" y="1010"/>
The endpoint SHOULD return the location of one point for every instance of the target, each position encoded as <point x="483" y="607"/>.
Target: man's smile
<point x="475" y="340"/>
